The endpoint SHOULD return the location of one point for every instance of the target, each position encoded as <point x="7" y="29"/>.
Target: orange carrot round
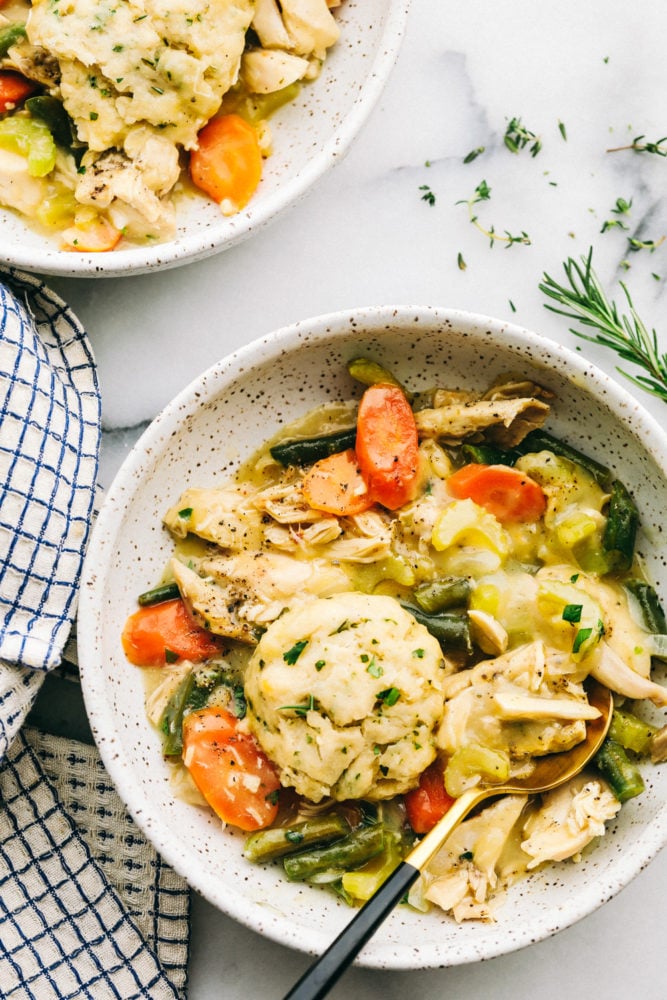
<point x="387" y="445"/>
<point x="14" y="88"/>
<point x="227" y="163"/>
<point x="336" y="486"/>
<point x="230" y="769"/>
<point x="505" y="492"/>
<point x="164" y="633"/>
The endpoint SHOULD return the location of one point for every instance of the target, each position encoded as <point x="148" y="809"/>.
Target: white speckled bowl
<point x="199" y="440"/>
<point x="310" y="136"/>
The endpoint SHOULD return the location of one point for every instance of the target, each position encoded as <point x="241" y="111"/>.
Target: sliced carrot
<point x="163" y="633"/>
<point x="230" y="769"/>
<point x="429" y="802"/>
<point x="335" y="485"/>
<point x="505" y="492"/>
<point x="14" y="88"/>
<point x="91" y="236"/>
<point x="387" y="445"/>
<point x="227" y="163"/>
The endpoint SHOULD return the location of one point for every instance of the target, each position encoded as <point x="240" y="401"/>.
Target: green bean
<point x="631" y="732"/>
<point x="350" y="852"/>
<point x="305" y="451"/>
<point x="266" y="845"/>
<point x="442" y="593"/>
<point x="193" y="693"/>
<point x="620" y="772"/>
<point x="488" y="454"/>
<point x="171" y="723"/>
<point x="452" y="630"/>
<point x="621" y="528"/>
<point x="541" y="440"/>
<point x="10" y="36"/>
<point x="649" y="604"/>
<point x="165" y="592"/>
<point x="51" y="111"/>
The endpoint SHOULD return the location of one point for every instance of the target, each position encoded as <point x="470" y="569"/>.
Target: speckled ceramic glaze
<point x="310" y="135"/>
<point x="198" y="441"/>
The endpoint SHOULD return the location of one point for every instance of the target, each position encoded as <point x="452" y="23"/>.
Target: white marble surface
<point x="365" y="236"/>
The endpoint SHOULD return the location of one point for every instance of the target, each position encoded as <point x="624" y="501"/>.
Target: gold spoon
<point x="549" y="772"/>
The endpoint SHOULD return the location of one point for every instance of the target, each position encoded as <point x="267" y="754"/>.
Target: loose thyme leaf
<point x="584" y="300"/>
<point x="428" y="195"/>
<point x="473" y="154"/>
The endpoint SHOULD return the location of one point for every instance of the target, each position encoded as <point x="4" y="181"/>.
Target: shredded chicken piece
<point x="570" y="818"/>
<point x="608" y="668"/>
<point x="504" y="422"/>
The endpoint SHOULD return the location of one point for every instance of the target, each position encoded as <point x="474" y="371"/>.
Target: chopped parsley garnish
<point x="319" y="664"/>
<point x="389" y="696"/>
<point x="572" y="613"/>
<point x="293" y="654"/>
<point x="374" y="668"/>
<point x="185" y="513"/>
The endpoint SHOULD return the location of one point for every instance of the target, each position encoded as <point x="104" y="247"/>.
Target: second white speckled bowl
<point x="199" y="439"/>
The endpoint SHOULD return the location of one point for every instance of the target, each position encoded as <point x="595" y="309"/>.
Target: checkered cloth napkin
<point x="87" y="908"/>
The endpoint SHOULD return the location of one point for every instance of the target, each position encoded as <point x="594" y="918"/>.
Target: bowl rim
<point x="201" y="391"/>
<point x="199" y="245"/>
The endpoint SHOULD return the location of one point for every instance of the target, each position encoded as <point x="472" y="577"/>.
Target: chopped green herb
<point x="319" y="664"/>
<point x="562" y="130"/>
<point x="473" y="154"/>
<point x="418" y="654"/>
<point x="428" y="195"/>
<point x="461" y="262"/>
<point x="185" y="513"/>
<point x="374" y="669"/>
<point x="572" y="613"/>
<point x="293" y="654"/>
<point x="517" y="137"/>
<point x="170" y="656"/>
<point x="389" y="696"/>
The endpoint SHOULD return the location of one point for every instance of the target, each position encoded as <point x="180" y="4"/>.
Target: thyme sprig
<point x="517" y="136"/>
<point x="483" y="193"/>
<point x="584" y="300"/>
<point x="659" y="147"/>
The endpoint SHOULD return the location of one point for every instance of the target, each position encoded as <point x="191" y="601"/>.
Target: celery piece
<point x="473" y="762"/>
<point x="631" y="732"/>
<point x="365" y="881"/>
<point x="32" y="140"/>
<point x="57" y="209"/>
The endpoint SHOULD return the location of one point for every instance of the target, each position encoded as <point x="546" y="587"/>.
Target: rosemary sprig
<point x="583" y="299"/>
<point x="483" y="193"/>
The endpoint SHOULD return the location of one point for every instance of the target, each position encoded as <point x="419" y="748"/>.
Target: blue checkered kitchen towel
<point x="87" y="908"/>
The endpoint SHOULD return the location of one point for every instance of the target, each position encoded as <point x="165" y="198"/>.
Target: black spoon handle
<point x="326" y="970"/>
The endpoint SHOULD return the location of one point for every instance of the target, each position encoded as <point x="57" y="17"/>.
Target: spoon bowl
<point x="549" y="772"/>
